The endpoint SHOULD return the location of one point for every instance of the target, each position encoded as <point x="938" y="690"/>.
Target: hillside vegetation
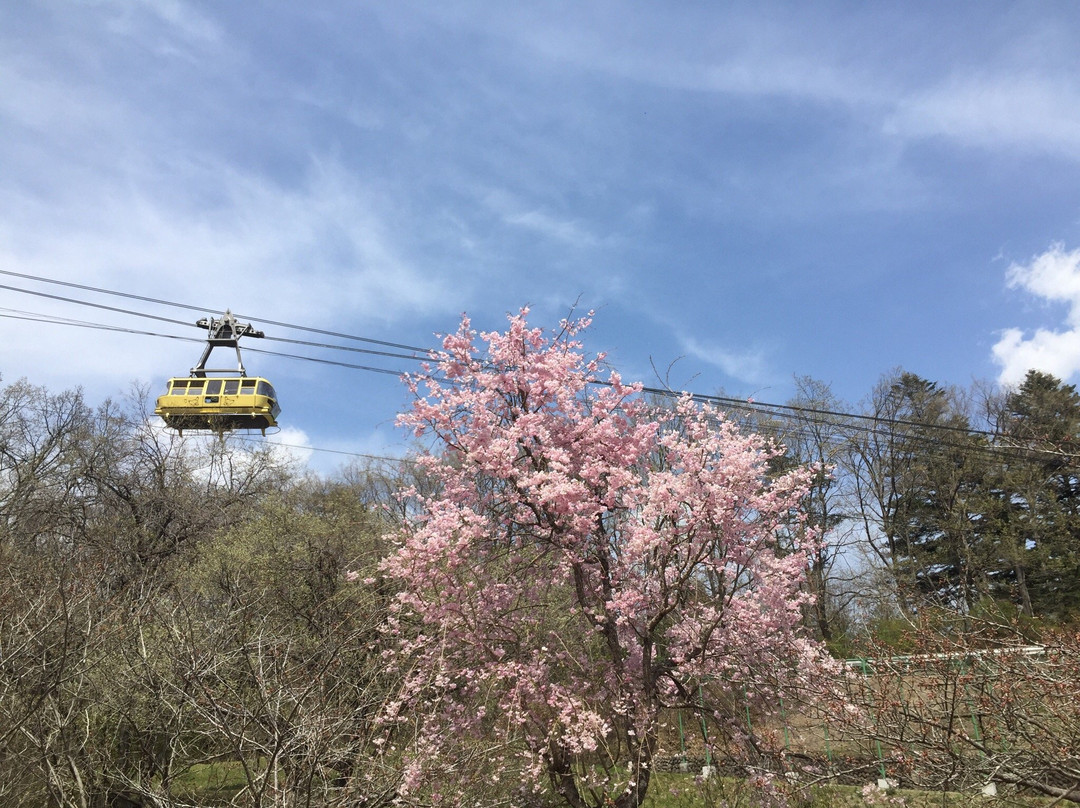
<point x="574" y="589"/>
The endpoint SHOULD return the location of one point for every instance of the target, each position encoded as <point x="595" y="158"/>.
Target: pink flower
<point x="575" y="535"/>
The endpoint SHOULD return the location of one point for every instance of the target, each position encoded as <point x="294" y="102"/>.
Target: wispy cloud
<point x="549" y="226"/>
<point x="1035" y="112"/>
<point x="320" y="248"/>
<point x="319" y="253"/>
<point x="141" y="18"/>
<point x="746" y="365"/>
<point x="520" y="214"/>
<point x="1012" y="93"/>
<point x="698" y="50"/>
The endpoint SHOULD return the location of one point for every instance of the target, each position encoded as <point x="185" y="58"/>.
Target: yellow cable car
<point x="201" y="403"/>
<point x="219" y="404"/>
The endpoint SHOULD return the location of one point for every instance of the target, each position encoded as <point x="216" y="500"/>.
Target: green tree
<point x="1033" y="515"/>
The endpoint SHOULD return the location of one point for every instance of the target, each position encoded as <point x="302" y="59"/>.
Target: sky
<point x="743" y="193"/>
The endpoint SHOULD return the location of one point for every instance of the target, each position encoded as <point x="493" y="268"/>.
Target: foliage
<point x="916" y="481"/>
<point x="584" y="563"/>
<point x="1034" y="498"/>
<point x="170" y="608"/>
<point x="576" y="563"/>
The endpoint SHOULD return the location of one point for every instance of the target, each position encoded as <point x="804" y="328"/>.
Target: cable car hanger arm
<point x="224" y="331"/>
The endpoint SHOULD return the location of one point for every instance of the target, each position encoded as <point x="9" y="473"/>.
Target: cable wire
<point x="172" y="321"/>
<point x="875" y="425"/>
<point x="201" y="309"/>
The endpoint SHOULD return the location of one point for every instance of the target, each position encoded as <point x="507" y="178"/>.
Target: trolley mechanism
<point x="221" y="403"/>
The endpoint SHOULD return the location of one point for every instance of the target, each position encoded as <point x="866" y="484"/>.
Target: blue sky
<point x="743" y="192"/>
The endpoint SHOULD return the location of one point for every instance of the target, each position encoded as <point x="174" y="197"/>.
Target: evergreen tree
<point x="1035" y="515"/>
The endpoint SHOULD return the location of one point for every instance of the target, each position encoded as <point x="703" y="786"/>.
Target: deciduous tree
<point x="583" y="566"/>
<point x="916" y="474"/>
<point x="972" y="709"/>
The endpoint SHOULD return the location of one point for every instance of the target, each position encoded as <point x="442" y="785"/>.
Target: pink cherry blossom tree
<point x="588" y="563"/>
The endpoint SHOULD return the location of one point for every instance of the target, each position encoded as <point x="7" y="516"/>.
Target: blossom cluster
<point x="587" y="559"/>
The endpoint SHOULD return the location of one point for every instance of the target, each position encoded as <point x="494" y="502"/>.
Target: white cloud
<point x="697" y="50"/>
<point x="167" y="26"/>
<point x="105" y="189"/>
<point x="1056" y="352"/>
<point x="1053" y="276"/>
<point x="291" y="445"/>
<point x="38" y="104"/>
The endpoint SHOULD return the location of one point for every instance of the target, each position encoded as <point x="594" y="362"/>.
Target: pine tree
<point x="1035" y="516"/>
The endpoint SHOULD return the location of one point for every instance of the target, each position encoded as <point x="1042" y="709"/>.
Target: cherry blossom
<point x="587" y="562"/>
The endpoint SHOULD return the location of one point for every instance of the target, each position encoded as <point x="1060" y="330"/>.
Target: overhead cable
<point x="842" y="420"/>
<point x="202" y="309"/>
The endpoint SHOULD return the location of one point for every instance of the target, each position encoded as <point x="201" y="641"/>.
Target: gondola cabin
<point x="204" y="403"/>
<point x="219" y="404"/>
